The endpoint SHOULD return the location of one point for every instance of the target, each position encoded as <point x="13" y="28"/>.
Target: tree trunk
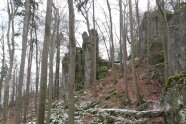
<point x="112" y="42"/>
<point x="166" y="38"/>
<point x="22" y="66"/>
<point x="72" y="51"/>
<point x="94" y="52"/>
<point x="26" y="103"/>
<point x="137" y="28"/>
<point x="58" y="40"/>
<point x="44" y="64"/>
<point x="104" y="41"/>
<point x="139" y="100"/>
<point x="11" y="49"/>
<point x="50" y="85"/>
<point x="4" y="68"/>
<point x="37" y="62"/>
<point x="124" y="47"/>
<point x="148" y="42"/>
<point x="37" y="72"/>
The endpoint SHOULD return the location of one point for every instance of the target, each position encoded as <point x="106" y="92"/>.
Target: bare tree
<point x="104" y="40"/>
<point x="84" y="9"/>
<point x="3" y="66"/>
<point x="94" y="51"/>
<point x="124" y="47"/>
<point x="112" y="41"/>
<point x="11" y="49"/>
<point x="44" y="64"/>
<point x="166" y="38"/>
<point x="22" y="66"/>
<point x="138" y="26"/>
<point x="58" y="40"/>
<point x="139" y="100"/>
<point x="72" y="51"/>
<point x="148" y="40"/>
<point x="26" y="103"/>
<point x="50" y="84"/>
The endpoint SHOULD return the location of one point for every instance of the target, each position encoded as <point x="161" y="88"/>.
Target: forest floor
<point x="110" y="95"/>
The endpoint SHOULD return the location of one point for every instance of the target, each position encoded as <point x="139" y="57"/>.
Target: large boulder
<point x="175" y="99"/>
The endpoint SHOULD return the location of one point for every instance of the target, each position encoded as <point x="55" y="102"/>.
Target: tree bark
<point x="11" y="49"/>
<point x="139" y="100"/>
<point x="58" y="40"/>
<point x="72" y="51"/>
<point x="37" y="72"/>
<point x="112" y="42"/>
<point x="44" y="64"/>
<point x="50" y="85"/>
<point x="22" y="66"/>
<point x="26" y="103"/>
<point x="3" y="68"/>
<point x="124" y="47"/>
<point x="148" y="41"/>
<point x="94" y="51"/>
<point x="137" y="28"/>
<point x="166" y="39"/>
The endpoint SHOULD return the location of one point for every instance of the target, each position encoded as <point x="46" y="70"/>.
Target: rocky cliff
<point x="177" y="42"/>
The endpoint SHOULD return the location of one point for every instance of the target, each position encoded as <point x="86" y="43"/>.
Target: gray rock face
<point x="84" y="62"/>
<point x="175" y="99"/>
<point x="154" y="31"/>
<point x="79" y="70"/>
<point x="88" y="48"/>
<point x="88" y="54"/>
<point x="178" y="41"/>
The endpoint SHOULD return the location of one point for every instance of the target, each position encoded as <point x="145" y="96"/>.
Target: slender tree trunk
<point x="44" y="64"/>
<point x="37" y="72"/>
<point x="137" y="29"/>
<point x="94" y="52"/>
<point x="3" y="69"/>
<point x="87" y="20"/>
<point x="36" y="60"/>
<point x="72" y="51"/>
<point x="14" y="85"/>
<point x="57" y="57"/>
<point x="139" y="100"/>
<point x="112" y="42"/>
<point x="104" y="41"/>
<point x="166" y="39"/>
<point x="126" y="97"/>
<point x="11" y="49"/>
<point x="26" y="105"/>
<point x="50" y="85"/>
<point x="148" y="39"/>
<point x="22" y="66"/>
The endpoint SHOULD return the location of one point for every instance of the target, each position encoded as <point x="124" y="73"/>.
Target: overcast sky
<point x="99" y="4"/>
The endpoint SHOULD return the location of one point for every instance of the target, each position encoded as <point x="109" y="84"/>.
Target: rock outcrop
<point x="88" y="58"/>
<point x="79" y="70"/>
<point x="84" y="61"/>
<point x="178" y="40"/>
<point x="175" y="99"/>
<point x="177" y="43"/>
